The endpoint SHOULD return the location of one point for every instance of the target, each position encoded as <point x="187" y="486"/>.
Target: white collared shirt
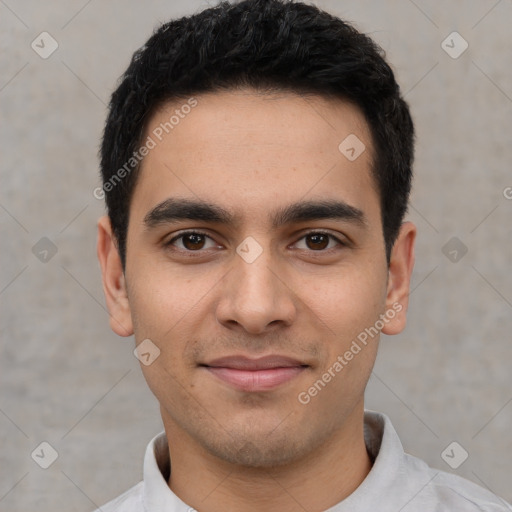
<point x="397" y="482"/>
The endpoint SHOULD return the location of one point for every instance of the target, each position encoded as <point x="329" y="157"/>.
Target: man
<point x="256" y="163"/>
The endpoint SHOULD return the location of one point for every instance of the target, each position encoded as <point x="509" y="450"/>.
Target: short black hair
<point x="268" y="45"/>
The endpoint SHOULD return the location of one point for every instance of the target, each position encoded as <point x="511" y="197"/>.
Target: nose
<point x="255" y="296"/>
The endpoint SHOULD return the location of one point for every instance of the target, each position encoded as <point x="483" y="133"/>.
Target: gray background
<point x="68" y="380"/>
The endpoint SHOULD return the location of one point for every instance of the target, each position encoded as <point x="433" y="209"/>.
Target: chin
<point x="259" y="454"/>
<point x="263" y="449"/>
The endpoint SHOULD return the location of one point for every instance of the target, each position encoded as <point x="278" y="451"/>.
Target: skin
<point x="303" y="297"/>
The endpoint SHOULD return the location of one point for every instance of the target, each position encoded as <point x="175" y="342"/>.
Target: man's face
<point x="252" y="302"/>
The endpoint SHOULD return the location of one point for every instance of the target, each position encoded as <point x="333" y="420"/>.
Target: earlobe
<point x="399" y="278"/>
<point x="114" y="284"/>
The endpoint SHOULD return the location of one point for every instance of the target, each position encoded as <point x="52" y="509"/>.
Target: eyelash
<point x="201" y="233"/>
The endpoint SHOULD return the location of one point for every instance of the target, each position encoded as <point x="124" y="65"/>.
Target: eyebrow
<point x="175" y="209"/>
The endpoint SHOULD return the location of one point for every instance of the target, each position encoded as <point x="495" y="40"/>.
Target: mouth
<point x="255" y="375"/>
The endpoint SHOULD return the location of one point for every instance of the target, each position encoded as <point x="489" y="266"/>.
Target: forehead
<point x="247" y="151"/>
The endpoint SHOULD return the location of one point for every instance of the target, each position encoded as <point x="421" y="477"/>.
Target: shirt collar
<point x="157" y="494"/>
<point x="386" y="451"/>
<point x="382" y="443"/>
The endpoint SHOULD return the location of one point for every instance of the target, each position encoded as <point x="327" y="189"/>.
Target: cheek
<point x="347" y="301"/>
<point x="162" y="298"/>
<point x="170" y="309"/>
<point x="168" y="386"/>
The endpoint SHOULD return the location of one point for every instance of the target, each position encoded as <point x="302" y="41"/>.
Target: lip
<point x="254" y="375"/>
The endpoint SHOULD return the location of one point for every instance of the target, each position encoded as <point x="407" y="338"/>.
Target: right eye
<point x="191" y="241"/>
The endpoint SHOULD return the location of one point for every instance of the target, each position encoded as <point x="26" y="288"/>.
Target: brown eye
<point x="317" y="241"/>
<point x="193" y="241"/>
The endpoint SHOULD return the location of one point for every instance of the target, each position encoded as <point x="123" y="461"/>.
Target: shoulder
<point x="412" y="485"/>
<point x="129" y="501"/>
<point x="451" y="492"/>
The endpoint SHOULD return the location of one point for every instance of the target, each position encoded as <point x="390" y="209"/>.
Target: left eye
<point x="319" y="241"/>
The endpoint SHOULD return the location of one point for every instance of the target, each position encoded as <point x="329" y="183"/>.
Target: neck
<point x="315" y="483"/>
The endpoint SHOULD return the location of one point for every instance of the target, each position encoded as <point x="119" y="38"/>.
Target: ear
<point x="114" y="284"/>
<point x="399" y="278"/>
